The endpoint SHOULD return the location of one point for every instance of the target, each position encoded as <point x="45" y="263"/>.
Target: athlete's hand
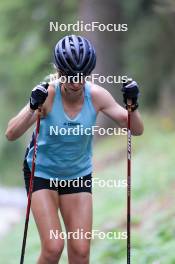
<point x="38" y="95"/>
<point x="131" y="92"/>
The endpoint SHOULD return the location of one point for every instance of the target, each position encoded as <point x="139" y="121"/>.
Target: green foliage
<point x="26" y="55"/>
<point x="147" y="49"/>
<point x="152" y="195"/>
<point x="26" y="42"/>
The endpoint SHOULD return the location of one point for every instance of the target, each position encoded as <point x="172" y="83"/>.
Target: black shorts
<point x="81" y="184"/>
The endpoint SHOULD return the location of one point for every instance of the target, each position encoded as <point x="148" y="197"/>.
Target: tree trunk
<point x="107" y="44"/>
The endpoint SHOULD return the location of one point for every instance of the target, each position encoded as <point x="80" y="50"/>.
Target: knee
<point x="52" y="250"/>
<point x="80" y="251"/>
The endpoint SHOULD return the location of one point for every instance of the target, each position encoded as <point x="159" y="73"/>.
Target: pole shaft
<point x="30" y="188"/>
<point x="129" y="189"/>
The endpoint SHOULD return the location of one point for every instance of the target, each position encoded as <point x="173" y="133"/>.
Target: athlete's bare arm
<point x="19" y="124"/>
<point x="104" y="102"/>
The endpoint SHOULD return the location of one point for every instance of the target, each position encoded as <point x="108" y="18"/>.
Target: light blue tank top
<point x="63" y="153"/>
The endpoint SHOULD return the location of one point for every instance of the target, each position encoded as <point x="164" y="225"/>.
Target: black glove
<point x="38" y="95"/>
<point x="130" y="91"/>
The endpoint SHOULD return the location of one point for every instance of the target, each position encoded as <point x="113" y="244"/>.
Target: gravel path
<point x="12" y="205"/>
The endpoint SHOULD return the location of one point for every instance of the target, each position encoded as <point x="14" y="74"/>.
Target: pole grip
<point x="129" y="105"/>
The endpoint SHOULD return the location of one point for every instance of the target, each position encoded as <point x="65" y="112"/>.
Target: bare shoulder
<point x="99" y="96"/>
<point x="49" y="101"/>
<point x="51" y="90"/>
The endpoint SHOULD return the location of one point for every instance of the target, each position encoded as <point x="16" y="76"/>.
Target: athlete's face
<point x="74" y="88"/>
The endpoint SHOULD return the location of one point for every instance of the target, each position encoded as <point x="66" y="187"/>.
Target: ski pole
<point x="129" y="183"/>
<point x="30" y="187"/>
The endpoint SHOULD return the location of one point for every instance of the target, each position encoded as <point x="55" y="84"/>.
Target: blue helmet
<point x="75" y="54"/>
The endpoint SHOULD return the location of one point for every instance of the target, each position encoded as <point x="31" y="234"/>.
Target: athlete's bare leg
<point x="76" y="211"/>
<point x="45" y="204"/>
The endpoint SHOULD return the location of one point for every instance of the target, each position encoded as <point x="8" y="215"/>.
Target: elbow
<point x="10" y="135"/>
